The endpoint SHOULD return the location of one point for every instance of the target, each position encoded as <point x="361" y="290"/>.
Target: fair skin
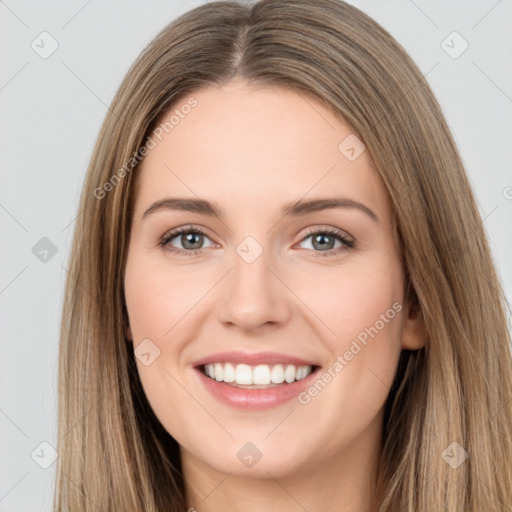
<point x="251" y="151"/>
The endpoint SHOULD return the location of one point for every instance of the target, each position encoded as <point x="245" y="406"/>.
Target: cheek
<point x="350" y="297"/>
<point x="157" y="299"/>
<point x="364" y="310"/>
<point x="361" y="313"/>
<point x="161" y="305"/>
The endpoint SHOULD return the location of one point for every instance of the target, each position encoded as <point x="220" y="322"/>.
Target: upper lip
<point x="253" y="359"/>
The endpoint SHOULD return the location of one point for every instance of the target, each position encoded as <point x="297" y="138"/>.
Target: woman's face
<point x="265" y="279"/>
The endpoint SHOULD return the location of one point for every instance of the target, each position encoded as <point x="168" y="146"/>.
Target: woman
<point x="213" y="354"/>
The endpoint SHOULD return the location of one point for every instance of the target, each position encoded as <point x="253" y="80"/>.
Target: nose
<point x="254" y="295"/>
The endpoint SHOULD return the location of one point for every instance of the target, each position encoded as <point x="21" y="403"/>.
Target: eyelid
<point x="347" y="241"/>
<point x="328" y="229"/>
<point x="175" y="232"/>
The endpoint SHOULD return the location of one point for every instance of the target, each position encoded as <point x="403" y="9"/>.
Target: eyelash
<point x="348" y="244"/>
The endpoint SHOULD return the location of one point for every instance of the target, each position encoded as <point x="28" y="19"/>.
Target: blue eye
<point x="326" y="239"/>
<point x="192" y="240"/>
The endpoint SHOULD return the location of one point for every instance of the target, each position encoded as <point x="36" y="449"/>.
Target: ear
<point x="414" y="336"/>
<point x="128" y="333"/>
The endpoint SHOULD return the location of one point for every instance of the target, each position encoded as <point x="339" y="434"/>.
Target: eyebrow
<point x="294" y="209"/>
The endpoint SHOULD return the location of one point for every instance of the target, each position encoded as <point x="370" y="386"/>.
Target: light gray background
<point x="50" y="113"/>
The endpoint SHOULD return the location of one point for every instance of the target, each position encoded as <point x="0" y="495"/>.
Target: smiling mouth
<point x="261" y="376"/>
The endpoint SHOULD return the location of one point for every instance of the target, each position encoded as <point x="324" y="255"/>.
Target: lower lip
<point x="255" y="399"/>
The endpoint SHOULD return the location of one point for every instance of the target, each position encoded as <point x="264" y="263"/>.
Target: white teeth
<point x="261" y="374"/>
<point x="229" y="373"/>
<point x="219" y="371"/>
<point x="243" y="374"/>
<point x="290" y="373"/>
<point x="277" y="374"/>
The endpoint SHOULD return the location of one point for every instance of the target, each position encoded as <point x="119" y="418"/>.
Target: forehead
<point x="253" y="144"/>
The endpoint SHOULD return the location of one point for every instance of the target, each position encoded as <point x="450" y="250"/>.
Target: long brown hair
<point x="113" y="452"/>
